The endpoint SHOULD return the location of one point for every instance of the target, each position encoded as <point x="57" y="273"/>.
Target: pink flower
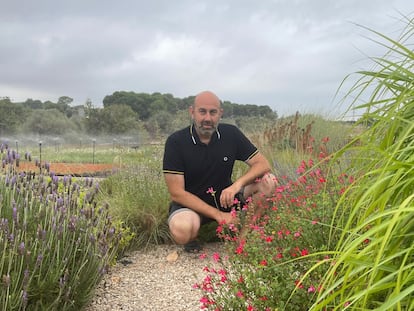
<point x="216" y="257"/>
<point x="240" y="248"/>
<point x="210" y="190"/>
<point x="239" y="294"/>
<point x="263" y="263"/>
<point x="311" y="289"/>
<point x="203" y="256"/>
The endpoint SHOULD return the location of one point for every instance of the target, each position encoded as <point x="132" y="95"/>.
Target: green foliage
<point x="11" y="116"/>
<point x="269" y="257"/>
<point x="56" y="241"/>
<point x="373" y="265"/>
<point x="118" y="119"/>
<point x="43" y="122"/>
<point x="137" y="196"/>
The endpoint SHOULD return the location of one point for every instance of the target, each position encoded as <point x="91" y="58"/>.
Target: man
<point x="198" y="164"/>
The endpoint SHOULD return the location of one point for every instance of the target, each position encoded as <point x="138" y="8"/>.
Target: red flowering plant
<point x="268" y="266"/>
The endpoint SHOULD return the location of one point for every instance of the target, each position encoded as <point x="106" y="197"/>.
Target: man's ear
<point x="191" y="112"/>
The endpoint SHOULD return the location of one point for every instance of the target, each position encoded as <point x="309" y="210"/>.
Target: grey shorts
<point x="176" y="208"/>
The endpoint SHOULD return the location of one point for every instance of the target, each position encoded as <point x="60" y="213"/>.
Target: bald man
<point x="198" y="164"/>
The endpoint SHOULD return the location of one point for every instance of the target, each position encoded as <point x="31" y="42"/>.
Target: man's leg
<point x="184" y="225"/>
<point x="259" y="192"/>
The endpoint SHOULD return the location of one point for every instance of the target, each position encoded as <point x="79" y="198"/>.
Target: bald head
<point x="206" y="113"/>
<point x="206" y="97"/>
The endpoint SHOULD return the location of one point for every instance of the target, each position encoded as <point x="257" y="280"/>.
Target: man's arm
<point x="258" y="166"/>
<point x="175" y="184"/>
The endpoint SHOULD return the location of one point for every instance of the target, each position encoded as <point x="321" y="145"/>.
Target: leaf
<point x="172" y="257"/>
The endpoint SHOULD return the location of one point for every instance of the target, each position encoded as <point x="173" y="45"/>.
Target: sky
<point x="291" y="55"/>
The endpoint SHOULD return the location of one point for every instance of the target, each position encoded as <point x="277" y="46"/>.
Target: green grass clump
<point x="373" y="263"/>
<point x="137" y="196"/>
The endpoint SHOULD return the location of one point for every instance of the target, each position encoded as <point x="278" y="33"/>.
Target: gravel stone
<point x="152" y="280"/>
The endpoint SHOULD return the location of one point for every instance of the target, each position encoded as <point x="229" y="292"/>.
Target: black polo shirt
<point x="205" y="166"/>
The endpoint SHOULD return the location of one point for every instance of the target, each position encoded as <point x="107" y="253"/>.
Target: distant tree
<point x="63" y="105"/>
<point x="140" y="103"/>
<point x="65" y="100"/>
<point x="48" y="122"/>
<point x="162" y="120"/>
<point x="118" y="119"/>
<point x="33" y="104"/>
<point x="93" y="119"/>
<point x="12" y="116"/>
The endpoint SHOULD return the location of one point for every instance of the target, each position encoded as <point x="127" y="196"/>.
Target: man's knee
<point x="268" y="184"/>
<point x="184" y="226"/>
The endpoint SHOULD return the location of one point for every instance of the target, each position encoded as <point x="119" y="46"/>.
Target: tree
<point x="119" y="119"/>
<point x="12" y="116"/>
<point x="48" y="122"/>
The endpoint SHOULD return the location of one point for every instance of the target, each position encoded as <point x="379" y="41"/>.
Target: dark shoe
<point x="193" y="247"/>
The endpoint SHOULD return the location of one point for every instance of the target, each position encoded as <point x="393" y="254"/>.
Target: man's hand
<point x="228" y="194"/>
<point x="228" y="218"/>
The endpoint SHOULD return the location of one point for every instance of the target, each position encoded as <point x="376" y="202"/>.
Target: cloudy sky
<point x="288" y="54"/>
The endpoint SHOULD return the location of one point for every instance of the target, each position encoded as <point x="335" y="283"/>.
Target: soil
<point x="74" y="169"/>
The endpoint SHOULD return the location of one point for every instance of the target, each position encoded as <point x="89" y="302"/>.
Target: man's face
<point x="206" y="113"/>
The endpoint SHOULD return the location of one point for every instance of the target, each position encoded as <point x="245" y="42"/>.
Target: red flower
<point x="216" y="257"/>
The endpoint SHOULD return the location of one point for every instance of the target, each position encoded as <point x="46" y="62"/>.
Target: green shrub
<point x="268" y="267"/>
<point x="137" y="196"/>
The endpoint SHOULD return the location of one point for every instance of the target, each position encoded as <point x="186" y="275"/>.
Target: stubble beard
<point x="206" y="132"/>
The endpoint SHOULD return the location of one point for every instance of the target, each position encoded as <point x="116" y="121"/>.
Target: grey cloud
<point x="287" y="54"/>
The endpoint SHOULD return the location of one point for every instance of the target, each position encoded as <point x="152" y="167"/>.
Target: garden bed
<point x="74" y="169"/>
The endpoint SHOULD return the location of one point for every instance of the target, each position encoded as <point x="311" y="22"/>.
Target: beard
<point x="206" y="128"/>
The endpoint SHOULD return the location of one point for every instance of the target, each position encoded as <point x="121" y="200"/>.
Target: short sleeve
<point x="173" y="161"/>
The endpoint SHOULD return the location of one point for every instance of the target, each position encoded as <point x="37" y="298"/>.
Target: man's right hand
<point x="228" y="218"/>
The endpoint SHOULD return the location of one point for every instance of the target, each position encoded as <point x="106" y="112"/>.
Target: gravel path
<point x="153" y="280"/>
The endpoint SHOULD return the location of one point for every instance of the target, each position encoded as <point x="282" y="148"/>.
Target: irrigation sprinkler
<point x="93" y="148"/>
<point x="40" y="156"/>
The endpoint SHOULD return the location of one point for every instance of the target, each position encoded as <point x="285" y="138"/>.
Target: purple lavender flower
<point x="15" y="213"/>
<point x="26" y="275"/>
<point x="39" y="260"/>
<point x="6" y="279"/>
<point x="24" y="298"/>
<point x="21" y="248"/>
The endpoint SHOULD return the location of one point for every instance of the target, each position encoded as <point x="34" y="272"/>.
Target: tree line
<point x="122" y="112"/>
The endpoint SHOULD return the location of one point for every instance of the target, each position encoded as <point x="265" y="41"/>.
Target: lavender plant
<point x="56" y="242"/>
